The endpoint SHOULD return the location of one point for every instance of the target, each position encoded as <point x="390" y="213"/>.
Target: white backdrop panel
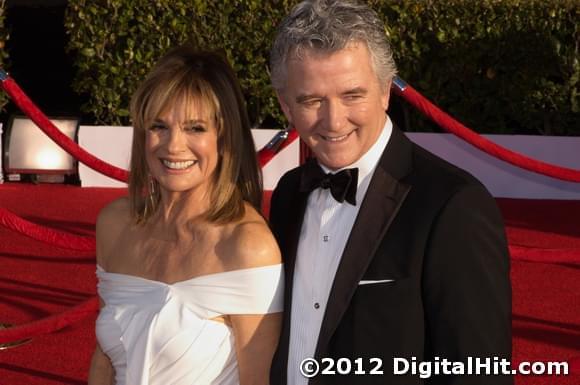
<point x="109" y="143"/>
<point x="503" y="179"/>
<point x="285" y="160"/>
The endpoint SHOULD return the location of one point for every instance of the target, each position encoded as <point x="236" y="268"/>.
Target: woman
<point x="190" y="278"/>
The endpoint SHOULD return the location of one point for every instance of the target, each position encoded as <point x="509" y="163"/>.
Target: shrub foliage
<point x="500" y="66"/>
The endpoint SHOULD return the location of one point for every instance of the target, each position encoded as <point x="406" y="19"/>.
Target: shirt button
<point x="325" y="238"/>
<point x="316" y="305"/>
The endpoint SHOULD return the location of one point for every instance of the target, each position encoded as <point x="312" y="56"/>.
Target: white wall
<point x="109" y="143"/>
<point x="503" y="179"/>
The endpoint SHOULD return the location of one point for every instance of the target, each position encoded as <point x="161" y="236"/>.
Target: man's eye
<point x="353" y="97"/>
<point x="311" y="102"/>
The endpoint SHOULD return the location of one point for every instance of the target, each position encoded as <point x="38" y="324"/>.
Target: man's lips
<point x="335" y="138"/>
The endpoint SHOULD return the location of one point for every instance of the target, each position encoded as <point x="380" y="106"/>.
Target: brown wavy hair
<point x="206" y="78"/>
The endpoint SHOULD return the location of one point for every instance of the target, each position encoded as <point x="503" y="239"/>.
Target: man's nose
<point x="334" y="115"/>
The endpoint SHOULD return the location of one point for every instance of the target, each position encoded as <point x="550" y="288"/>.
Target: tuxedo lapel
<point x="293" y="218"/>
<point x="379" y="207"/>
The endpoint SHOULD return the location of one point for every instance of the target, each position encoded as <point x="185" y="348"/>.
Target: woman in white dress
<point x="190" y="277"/>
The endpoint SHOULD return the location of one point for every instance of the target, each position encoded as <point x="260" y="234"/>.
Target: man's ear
<point x="284" y="105"/>
<point x="386" y="94"/>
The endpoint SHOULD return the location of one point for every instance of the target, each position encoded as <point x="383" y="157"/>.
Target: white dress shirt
<point x="325" y="230"/>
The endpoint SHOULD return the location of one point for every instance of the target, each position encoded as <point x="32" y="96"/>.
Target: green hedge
<point x="3" y="52"/>
<point x="497" y="65"/>
<point x="117" y="41"/>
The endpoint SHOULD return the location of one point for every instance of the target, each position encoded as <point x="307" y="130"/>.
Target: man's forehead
<point x="300" y="52"/>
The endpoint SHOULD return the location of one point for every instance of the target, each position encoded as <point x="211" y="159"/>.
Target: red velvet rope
<point x="68" y="145"/>
<point x="51" y="323"/>
<point x="45" y="234"/>
<point x="449" y="124"/>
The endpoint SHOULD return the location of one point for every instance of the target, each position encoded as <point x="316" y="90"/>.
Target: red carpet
<point x="37" y="280"/>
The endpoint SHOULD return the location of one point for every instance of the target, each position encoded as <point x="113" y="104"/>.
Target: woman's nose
<point x="175" y="140"/>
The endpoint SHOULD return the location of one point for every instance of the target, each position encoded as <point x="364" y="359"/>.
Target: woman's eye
<point x="195" y="128"/>
<point x="157" y="127"/>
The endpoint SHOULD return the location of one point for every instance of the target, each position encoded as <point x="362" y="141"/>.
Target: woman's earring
<point x="151" y="198"/>
<point x="152" y="191"/>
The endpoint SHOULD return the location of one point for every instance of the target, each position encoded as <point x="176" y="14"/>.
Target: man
<point x="413" y="265"/>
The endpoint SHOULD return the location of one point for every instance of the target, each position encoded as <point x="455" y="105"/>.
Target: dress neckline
<point x="198" y="277"/>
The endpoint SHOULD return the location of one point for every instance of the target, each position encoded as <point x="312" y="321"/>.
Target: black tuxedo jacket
<point x="437" y="233"/>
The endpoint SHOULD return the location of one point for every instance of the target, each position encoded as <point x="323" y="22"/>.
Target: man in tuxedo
<point x="391" y="253"/>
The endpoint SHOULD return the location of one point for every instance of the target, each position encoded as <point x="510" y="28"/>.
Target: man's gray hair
<point x="328" y="26"/>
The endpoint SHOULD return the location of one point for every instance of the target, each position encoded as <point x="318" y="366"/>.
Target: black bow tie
<point x="342" y="185"/>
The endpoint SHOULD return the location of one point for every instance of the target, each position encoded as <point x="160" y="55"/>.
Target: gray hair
<point x="328" y="26"/>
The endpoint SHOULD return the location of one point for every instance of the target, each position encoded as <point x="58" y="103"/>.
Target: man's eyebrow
<point x="304" y="97"/>
<point x="353" y="91"/>
<point x="357" y="91"/>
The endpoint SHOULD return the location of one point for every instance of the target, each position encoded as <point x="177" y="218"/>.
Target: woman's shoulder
<point x="114" y="213"/>
<point x="112" y="219"/>
<point x="251" y="242"/>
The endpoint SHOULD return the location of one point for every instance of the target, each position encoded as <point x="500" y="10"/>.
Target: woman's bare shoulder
<point x="251" y="242"/>
<point x="112" y="220"/>
<point x="114" y="212"/>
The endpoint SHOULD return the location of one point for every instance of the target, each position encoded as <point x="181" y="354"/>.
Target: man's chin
<point x="336" y="158"/>
<point x="333" y="163"/>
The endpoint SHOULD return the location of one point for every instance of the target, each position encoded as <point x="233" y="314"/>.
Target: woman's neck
<point x="178" y="209"/>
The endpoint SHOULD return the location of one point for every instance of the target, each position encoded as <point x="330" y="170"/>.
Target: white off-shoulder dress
<point x="158" y="334"/>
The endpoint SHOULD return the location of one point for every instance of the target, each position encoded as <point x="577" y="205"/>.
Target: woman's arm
<point x="256" y="335"/>
<point x="108" y="226"/>
<point x="101" y="371"/>
<point x="256" y="338"/>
